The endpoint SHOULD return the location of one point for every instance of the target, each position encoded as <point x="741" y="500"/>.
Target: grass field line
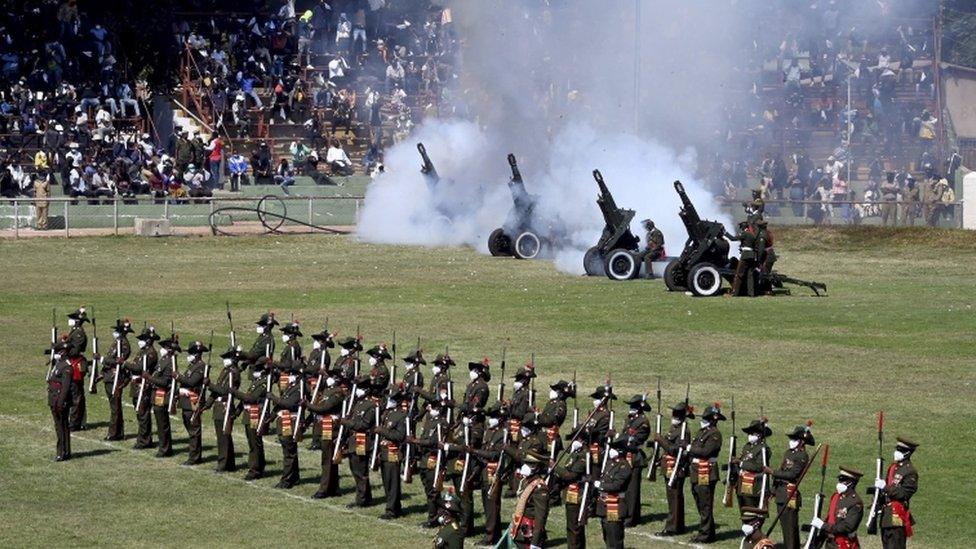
<point x="663" y="539"/>
<point x="173" y="464"/>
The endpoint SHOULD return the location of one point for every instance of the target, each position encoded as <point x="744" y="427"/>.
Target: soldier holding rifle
<point x="786" y="482"/>
<point x="672" y="444"/>
<point x="494" y="471"/>
<point x="316" y="370"/>
<point x="75" y="354"/>
<point x="359" y="423"/>
<point x="426" y="441"/>
<point x="327" y="407"/>
<point x="753" y="519"/>
<point x="59" y="396"/>
<point x="392" y="431"/>
<point x="114" y="378"/>
<point x="636" y="430"/>
<point x="190" y="383"/>
<point x="844" y="513"/>
<point x="571" y="473"/>
<point x="611" y="504"/>
<point x="288" y="405"/>
<point x="256" y="413"/>
<point x="224" y="405"/>
<point x="144" y="362"/>
<point x="755" y="455"/>
<point x="703" y="455"/>
<point x="897" y="488"/>
<point x="161" y="380"/>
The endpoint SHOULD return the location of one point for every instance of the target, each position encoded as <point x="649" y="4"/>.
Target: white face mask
<point x="316" y="344"/>
<point x="841" y="487"/>
<point x="597" y="402"/>
<point x="57" y="356"/>
<point x="525" y="470"/>
<point x="441" y="519"/>
<point x="344" y="352"/>
<point x="553" y="394"/>
<point x="329" y="381"/>
<point x="473" y="374"/>
<point x="115" y="335"/>
<point x="517" y="385"/>
<point x="435" y="412"/>
<point x="360" y="393"/>
<point x="632" y="412"/>
<point x="436" y="370"/>
<point x="410" y="365"/>
<point x="493" y="422"/>
<point x="372" y="361"/>
<point x="284" y="338"/>
<point x="163" y="351"/>
<point x="256" y="375"/>
<point x="190" y="359"/>
<point x="141" y="344"/>
<point x="390" y="404"/>
<point x="259" y="329"/>
<point x="291" y="379"/>
<point x="71" y="322"/>
<point x="228" y="361"/>
<point x="753" y="439"/>
<point x="899" y="456"/>
<point x="525" y="431"/>
<point x="675" y="421"/>
<point x="614" y="453"/>
<point x="747" y="530"/>
<point x="466" y="420"/>
<point x="705" y="423"/>
<point x="794" y="444"/>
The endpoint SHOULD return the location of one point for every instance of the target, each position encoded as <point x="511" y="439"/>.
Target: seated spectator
<point x="338" y="160"/>
<point x="299" y="155"/>
<point x="261" y="163"/>
<point x="237" y="165"/>
<point x="284" y="176"/>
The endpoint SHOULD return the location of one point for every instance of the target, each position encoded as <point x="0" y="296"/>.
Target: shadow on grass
<point x="93" y="453"/>
<point x="728" y="534"/>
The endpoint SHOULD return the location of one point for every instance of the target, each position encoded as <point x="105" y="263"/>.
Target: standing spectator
<point x="42" y="191"/>
<point x="215" y="157"/>
<point x="237" y="165"/>
<point x="909" y="198"/>
<point x="797" y="192"/>
<point x="344" y="34"/>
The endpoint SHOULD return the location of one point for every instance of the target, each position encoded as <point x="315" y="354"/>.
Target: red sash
<point x="327" y="423"/>
<point x="286" y="423"/>
<point x="748" y="486"/>
<point x="160" y="397"/>
<point x="842" y="541"/>
<point x="572" y="493"/>
<point x="669" y="463"/>
<point x="392" y="452"/>
<point x="254" y="413"/>
<point x="360" y="444"/>
<point x="491" y="468"/>
<point x="612" y="501"/>
<point x="897" y="507"/>
<point x="514" y="429"/>
<point x="704" y="470"/>
<point x="75" y="368"/>
<point x="594" y="453"/>
<point x="552" y="434"/>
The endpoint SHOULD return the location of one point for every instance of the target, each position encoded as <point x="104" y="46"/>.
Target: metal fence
<point x="117" y="214"/>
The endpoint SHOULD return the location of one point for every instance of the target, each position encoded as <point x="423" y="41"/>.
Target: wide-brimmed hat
<point x="379" y="352"/>
<point x="122" y="326"/>
<point x="267" y="320"/>
<point x="683" y="410"/>
<point x="713" y="412"/>
<point x="803" y="433"/>
<point x="758" y="427"/>
<point x="639" y="402"/>
<point x="148" y="334"/>
<point x="81" y="315"/>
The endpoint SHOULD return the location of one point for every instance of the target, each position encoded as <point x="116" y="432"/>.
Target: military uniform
<point x="635" y="431"/>
<point x="787" y="494"/>
<point x="426" y="441"/>
<point x="703" y="469"/>
<point x="910" y="197"/>
<point x="901" y="483"/>
<point x="528" y="525"/>
<point x="161" y="381"/>
<point x="752" y="528"/>
<point x="748" y="256"/>
<point x="570" y="475"/>
<point x="750" y="463"/>
<point x="551" y="419"/>
<point x="844" y="514"/>
<point x="655" y="247"/>
<point x="257" y="410"/>
<point x="143" y="362"/>
<point x="465" y="485"/>
<point x="290" y="362"/>
<point x="359" y="424"/>
<point x="77" y="344"/>
<point x="220" y="399"/>
<point x="110" y="365"/>
<point x="889" y="195"/>
<point x="670" y="443"/>
<point x="288" y="406"/>
<point x="393" y="432"/>
<point x="379" y="373"/>
<point x="316" y="368"/>
<point x="59" y="389"/>
<point x="190" y="383"/>
<point x="327" y="408"/>
<point x="494" y="471"/>
<point x="611" y="503"/>
<point x="450" y="535"/>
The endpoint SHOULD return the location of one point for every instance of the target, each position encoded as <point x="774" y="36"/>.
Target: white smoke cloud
<point x="557" y="146"/>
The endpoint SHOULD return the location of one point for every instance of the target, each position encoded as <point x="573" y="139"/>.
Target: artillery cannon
<point x="517" y="237"/>
<point x="427" y="168"/>
<point x="617" y="253"/>
<point x="705" y="261"/>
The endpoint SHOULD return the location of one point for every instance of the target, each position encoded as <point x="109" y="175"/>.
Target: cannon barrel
<point x="616" y="233"/>
<point x="516" y="174"/>
<point x="428" y="166"/>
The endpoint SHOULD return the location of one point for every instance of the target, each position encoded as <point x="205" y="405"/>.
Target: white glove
<point x="447" y="447"/>
<point x="535" y="547"/>
<point x="817" y="523"/>
<point x="596" y="484"/>
<point x="688" y="448"/>
<point x="575" y="446"/>
<point x="880" y="484"/>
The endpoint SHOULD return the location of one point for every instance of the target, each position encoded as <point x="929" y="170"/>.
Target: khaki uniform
<point x="909" y="207"/>
<point x="889" y="210"/>
<point x="42" y="191"/>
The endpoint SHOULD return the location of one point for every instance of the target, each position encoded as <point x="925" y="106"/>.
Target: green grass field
<point x="895" y="334"/>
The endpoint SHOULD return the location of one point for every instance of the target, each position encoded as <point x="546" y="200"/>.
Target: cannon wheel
<point x="499" y="243"/>
<point x="674" y="277"/>
<point x="527" y="246"/>
<point x="593" y="262"/>
<point x="704" y="280"/>
<point x="621" y="265"/>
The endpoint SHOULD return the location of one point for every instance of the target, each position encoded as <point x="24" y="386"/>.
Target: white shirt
<point x="336" y="154"/>
<point x="336" y="68"/>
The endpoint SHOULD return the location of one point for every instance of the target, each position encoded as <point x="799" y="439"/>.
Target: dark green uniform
<point x="359" y="424"/>
<point x="144" y="361"/>
<point x="220" y="393"/>
<point x="255" y="401"/>
<point x="190" y="383"/>
<point x="528" y="526"/>
<point x="450" y="535"/>
<point x="288" y="404"/>
<point x="77" y="344"/>
<point x="119" y="354"/>
<point x="327" y="409"/>
<point x="426" y="447"/>
<point x="465" y="487"/>
<point x="519" y="406"/>
<point x="637" y="429"/>
<point x="495" y="439"/>
<point x="896" y="519"/>
<point x="59" y="389"/>
<point x="379" y="374"/>
<point x="784" y="480"/>
<point x="316" y="369"/>
<point x="705" y="448"/>
<point x="348" y="366"/>
<point x="570" y="474"/>
<point x="551" y="419"/>
<point x="611" y="503"/>
<point x="392" y="431"/>
<point x="750" y="464"/>
<point x="670" y="443"/>
<point x="748" y="256"/>
<point x="161" y="381"/>
<point x="843" y="517"/>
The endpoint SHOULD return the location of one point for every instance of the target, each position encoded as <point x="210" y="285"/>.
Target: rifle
<point x="142" y="385"/>
<point x="54" y="341"/>
<point x="201" y="400"/>
<point x="652" y="473"/>
<point x="346" y="410"/>
<point x="118" y="366"/>
<point x="497" y="481"/>
<point x="575" y="436"/>
<point x="790" y="494"/>
<point x="170" y="408"/>
<point x="439" y="465"/>
<point x="467" y="459"/>
<point x="376" y="439"/>
<point x="230" y="319"/>
<point x="812" y="539"/>
<point x="681" y="440"/>
<point x="765" y="461"/>
<point x="876" y="503"/>
<point x="297" y="434"/>
<point x="581" y="517"/>
<point x="606" y="448"/>
<point x="575" y="404"/>
<point x="732" y="474"/>
<point x="92" y="387"/>
<point x="228" y="426"/>
<point x="407" y="475"/>
<point x="532" y="384"/>
<point x="501" y="380"/>
<point x="393" y="369"/>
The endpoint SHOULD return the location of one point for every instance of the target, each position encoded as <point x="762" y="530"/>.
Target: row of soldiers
<point x="464" y="446"/>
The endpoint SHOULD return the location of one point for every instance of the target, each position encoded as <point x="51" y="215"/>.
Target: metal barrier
<point x="853" y="212"/>
<point x="115" y="213"/>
